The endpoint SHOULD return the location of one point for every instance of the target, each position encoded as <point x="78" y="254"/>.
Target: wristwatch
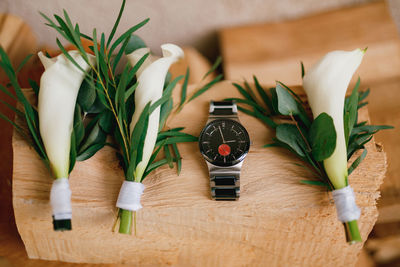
<point x="224" y="143"/>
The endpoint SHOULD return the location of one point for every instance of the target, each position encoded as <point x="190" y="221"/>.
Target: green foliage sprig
<point x="281" y="109"/>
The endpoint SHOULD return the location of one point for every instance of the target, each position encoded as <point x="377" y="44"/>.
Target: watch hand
<point x="230" y="141"/>
<point x="223" y="139"/>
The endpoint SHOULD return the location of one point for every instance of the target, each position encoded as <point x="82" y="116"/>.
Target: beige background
<point x="183" y="22"/>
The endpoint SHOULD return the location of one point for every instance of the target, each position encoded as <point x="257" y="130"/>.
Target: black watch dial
<point x="224" y="142"/>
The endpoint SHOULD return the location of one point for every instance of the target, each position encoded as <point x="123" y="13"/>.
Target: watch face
<point x="224" y="142"/>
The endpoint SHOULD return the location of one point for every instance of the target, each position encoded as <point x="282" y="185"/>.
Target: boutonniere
<point x="137" y="102"/>
<point x="325" y="142"/>
<point x="56" y="127"/>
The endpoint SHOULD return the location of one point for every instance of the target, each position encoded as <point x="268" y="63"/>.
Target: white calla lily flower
<point x="59" y="87"/>
<point x="151" y="77"/>
<point x="326" y="85"/>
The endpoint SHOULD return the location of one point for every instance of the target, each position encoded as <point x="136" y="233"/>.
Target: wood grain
<point x="276" y="221"/>
<point x="274" y="51"/>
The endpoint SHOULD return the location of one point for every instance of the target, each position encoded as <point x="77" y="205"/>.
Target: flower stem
<point x="125" y="225"/>
<point x="62" y="225"/>
<point x="352" y="232"/>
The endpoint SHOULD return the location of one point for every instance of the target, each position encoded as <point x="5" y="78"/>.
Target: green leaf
<point x="357" y="162"/>
<point x="363" y="95"/>
<point x="79" y="129"/>
<point x="168" y="156"/>
<point x="130" y="91"/>
<point x="72" y="152"/>
<point x="303" y="116"/>
<point x="154" y="155"/>
<point x="244" y="93"/>
<point x="347" y="126"/>
<point x="54" y="26"/>
<point x="250" y="91"/>
<point x="35" y="87"/>
<point x="90" y="151"/>
<point x="263" y="95"/>
<point x="166" y="94"/>
<point x="24" y="61"/>
<point x="351" y="110"/>
<point x="114" y="29"/>
<point x="137" y="66"/>
<point x="137" y="138"/>
<point x="106" y="121"/>
<point x="96" y="135"/>
<point x="322" y="137"/>
<point x="314" y="182"/>
<point x="117" y="58"/>
<point x="287" y="105"/>
<point x="68" y="56"/>
<point x="214" y="67"/>
<point x="11" y="107"/>
<point x="371" y="129"/>
<point x="154" y="166"/>
<point x="86" y="95"/>
<point x="135" y="42"/>
<point x="171" y="133"/>
<point x="274" y="100"/>
<point x="264" y="118"/>
<point x="362" y="105"/>
<point x="250" y="103"/>
<point x="178" y="158"/>
<point x="357" y="144"/>
<point x="120" y="92"/>
<point x="167" y="80"/>
<point x="272" y="145"/>
<point x="303" y="72"/>
<point x="5" y="90"/>
<point x="5" y="118"/>
<point x="291" y="91"/>
<point x="205" y="87"/>
<point x="127" y="34"/>
<point x="181" y="139"/>
<point x="290" y="135"/>
<point x="166" y="109"/>
<point x="184" y="87"/>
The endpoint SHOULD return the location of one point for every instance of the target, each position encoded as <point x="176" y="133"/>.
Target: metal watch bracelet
<point x="224" y="181"/>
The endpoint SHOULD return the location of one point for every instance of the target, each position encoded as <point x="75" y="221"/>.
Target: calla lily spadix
<point x="326" y="84"/>
<point x="59" y="87"/>
<point x="151" y="78"/>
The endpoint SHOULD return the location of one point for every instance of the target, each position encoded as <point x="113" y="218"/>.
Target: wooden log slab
<point x="276" y="222"/>
<point x="274" y="51"/>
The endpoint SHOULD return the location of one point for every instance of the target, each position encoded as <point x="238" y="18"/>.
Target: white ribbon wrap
<point x="129" y="196"/>
<point x="346" y="207"/>
<point x="60" y="199"/>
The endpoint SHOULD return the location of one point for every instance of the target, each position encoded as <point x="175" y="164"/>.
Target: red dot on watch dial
<point x="224" y="150"/>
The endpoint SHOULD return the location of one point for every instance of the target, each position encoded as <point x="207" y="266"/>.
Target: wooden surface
<point x="18" y="41"/>
<point x="13" y="249"/>
<point x="277" y="220"/>
<point x="273" y="52"/>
